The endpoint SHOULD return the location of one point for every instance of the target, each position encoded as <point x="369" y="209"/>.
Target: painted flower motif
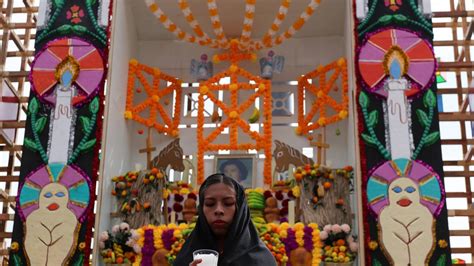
<point x="373" y="245"/>
<point x="442" y="243"/>
<point x="74" y="14"/>
<point x="82" y="246"/>
<point x="15" y="246"/>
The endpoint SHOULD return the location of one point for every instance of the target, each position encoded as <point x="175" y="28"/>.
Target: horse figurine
<point x="171" y="155"/>
<point x="285" y="155"/>
<point x="327" y="212"/>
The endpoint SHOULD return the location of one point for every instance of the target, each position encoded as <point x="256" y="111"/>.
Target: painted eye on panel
<point x="397" y="189"/>
<point x="410" y="189"/>
<point x="60" y="194"/>
<point x="48" y="195"/>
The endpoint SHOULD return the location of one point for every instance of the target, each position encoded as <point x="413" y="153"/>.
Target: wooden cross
<point x="321" y="147"/>
<point x="149" y="149"/>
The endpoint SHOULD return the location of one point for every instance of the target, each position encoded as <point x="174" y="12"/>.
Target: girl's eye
<point x="60" y="194"/>
<point x="48" y="195"/>
<point x="410" y="189"/>
<point x="397" y="189"/>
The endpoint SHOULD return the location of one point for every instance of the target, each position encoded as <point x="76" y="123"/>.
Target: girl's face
<point x="219" y="207"/>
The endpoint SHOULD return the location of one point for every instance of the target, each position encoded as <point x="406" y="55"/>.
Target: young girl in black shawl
<point x="224" y="225"/>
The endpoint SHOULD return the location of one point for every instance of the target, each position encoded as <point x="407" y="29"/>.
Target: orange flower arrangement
<point x="308" y="121"/>
<point x="221" y="41"/>
<point x="208" y="91"/>
<point x="153" y="99"/>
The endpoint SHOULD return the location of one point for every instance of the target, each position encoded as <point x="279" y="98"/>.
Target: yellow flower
<point x="341" y="62"/>
<point x="298" y="226"/>
<point x="298" y="131"/>
<point x="373" y="245"/>
<point x="155" y="98"/>
<point x="14" y="247"/>
<point x="203" y="89"/>
<point x="343" y="114"/>
<point x="172" y="226"/>
<point x="184" y="191"/>
<point x="442" y="243"/>
<point x="233" y="68"/>
<point x="259" y="190"/>
<point x="177" y="234"/>
<point x="156" y="71"/>
<point x="133" y="62"/>
<point x="233" y="86"/>
<point x="128" y="115"/>
<point x="320" y="94"/>
<point x="216" y="59"/>
<point x="261" y="87"/>
<point x="233" y="115"/>
<point x="166" y="192"/>
<point x="253" y="57"/>
<point x="322" y="121"/>
<point x="296" y="191"/>
<point x="183" y="226"/>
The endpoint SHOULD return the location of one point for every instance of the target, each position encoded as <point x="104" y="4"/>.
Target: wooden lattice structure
<point x="458" y="20"/>
<point x="17" y="33"/>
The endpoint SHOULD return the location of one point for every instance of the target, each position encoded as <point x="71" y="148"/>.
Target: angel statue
<point x="271" y="64"/>
<point x="201" y="70"/>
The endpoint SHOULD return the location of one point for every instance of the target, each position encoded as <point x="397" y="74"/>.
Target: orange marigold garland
<point x="153" y="101"/>
<point x="221" y="41"/>
<point x="232" y="111"/>
<point x="316" y="117"/>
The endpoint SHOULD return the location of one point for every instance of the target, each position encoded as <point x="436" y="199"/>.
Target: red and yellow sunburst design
<point x="316" y="115"/>
<point x="152" y="111"/>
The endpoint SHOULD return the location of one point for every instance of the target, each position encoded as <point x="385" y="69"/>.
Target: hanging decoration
<point x="322" y="90"/>
<point x="245" y="42"/>
<point x="233" y="109"/>
<point x="152" y="111"/>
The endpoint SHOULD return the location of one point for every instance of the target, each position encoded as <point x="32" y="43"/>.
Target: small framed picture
<point x="241" y="167"/>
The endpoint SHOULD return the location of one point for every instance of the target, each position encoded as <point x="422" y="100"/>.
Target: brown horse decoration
<point x="285" y="155"/>
<point x="327" y="212"/>
<point x="170" y="155"/>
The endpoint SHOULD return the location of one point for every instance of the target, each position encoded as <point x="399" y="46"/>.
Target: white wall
<point x="116" y="139"/>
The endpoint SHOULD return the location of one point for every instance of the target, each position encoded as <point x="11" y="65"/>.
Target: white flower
<point x="327" y="228"/>
<point x="137" y="249"/>
<point x="353" y="246"/>
<point x="130" y="242"/>
<point x="336" y="228"/>
<point x="104" y="236"/>
<point x="134" y="234"/>
<point x="350" y="239"/>
<point x="346" y="228"/>
<point x="323" y="235"/>
<point x="115" y="229"/>
<point x="124" y="227"/>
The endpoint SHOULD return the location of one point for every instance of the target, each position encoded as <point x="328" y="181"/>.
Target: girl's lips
<point x="219" y="223"/>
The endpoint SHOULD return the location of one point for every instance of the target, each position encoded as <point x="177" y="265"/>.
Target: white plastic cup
<point x="209" y="257"/>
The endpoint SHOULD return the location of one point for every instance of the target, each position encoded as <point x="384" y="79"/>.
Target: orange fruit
<point x="154" y="170"/>
<point x="327" y="185"/>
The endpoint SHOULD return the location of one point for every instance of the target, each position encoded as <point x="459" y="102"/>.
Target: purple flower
<point x="167" y="237"/>
<point x="308" y="238"/>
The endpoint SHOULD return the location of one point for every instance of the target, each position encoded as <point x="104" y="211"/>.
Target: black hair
<point x="215" y="179"/>
<point x="240" y="165"/>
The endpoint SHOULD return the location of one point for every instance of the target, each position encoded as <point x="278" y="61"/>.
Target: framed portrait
<point x="241" y="167"/>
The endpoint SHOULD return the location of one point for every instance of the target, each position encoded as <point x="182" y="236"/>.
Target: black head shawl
<point x="242" y="244"/>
